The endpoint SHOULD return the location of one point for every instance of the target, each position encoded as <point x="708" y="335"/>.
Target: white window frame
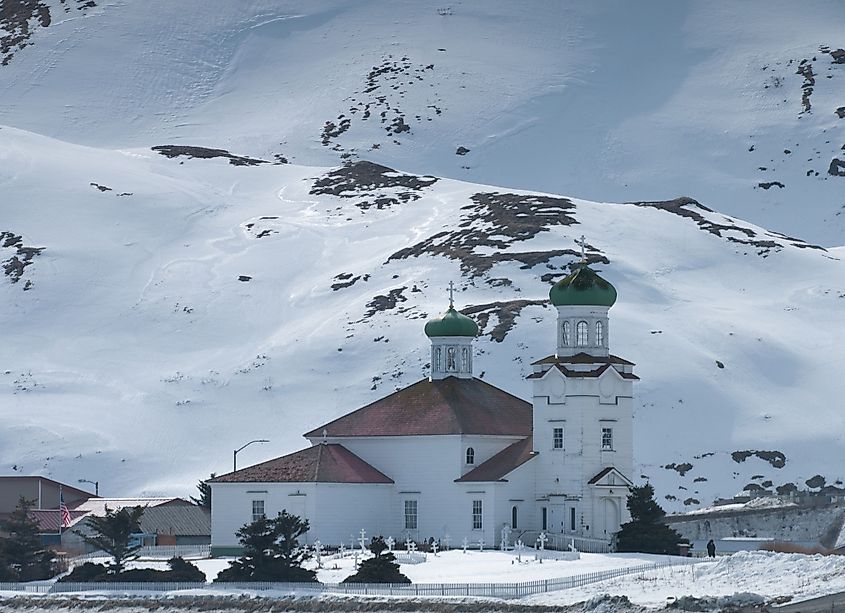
<point x="565" y="332"/>
<point x="599" y="334"/>
<point x="557" y="441"/>
<point x="411" y="514"/>
<point x="582" y="334"/>
<point x="470" y="455"/>
<point x="606" y="439"/>
<point x="258" y="510"/>
<point x="478" y="515"/>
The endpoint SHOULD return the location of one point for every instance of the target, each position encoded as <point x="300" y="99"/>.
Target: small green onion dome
<point x="584" y="287"/>
<point x="451" y="323"/>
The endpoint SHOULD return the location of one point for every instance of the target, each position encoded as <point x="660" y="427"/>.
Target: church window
<point x="438" y="359"/>
<point x="581" y="334"/>
<point x="450" y="359"/>
<point x="514" y="518"/>
<point x="464" y="359"/>
<point x="599" y="334"/>
<point x="257" y="510"/>
<point x="470" y="455"/>
<point x="557" y="438"/>
<point x="572" y="519"/>
<point x="607" y="439"/>
<point x="565" y="339"/>
<point x="477" y="515"/>
<point x="410" y="515"/>
<point x="545" y="522"/>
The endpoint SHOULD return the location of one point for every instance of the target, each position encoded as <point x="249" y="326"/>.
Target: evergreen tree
<point x="22" y="556"/>
<point x="381" y="568"/>
<point x="647" y="531"/>
<point x="204" y="488"/>
<point x="112" y="533"/>
<point x="271" y="551"/>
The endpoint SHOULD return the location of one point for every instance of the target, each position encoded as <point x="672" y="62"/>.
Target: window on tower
<point x="581" y="334"/>
<point x="557" y="438"/>
<point x="565" y="341"/>
<point x="607" y="439"/>
<point x="599" y="334"/>
<point x="470" y="455"/>
<point x="464" y="359"/>
<point x="450" y="360"/>
<point x="438" y="359"/>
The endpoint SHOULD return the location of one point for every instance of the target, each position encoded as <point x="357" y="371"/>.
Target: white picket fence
<point x="165" y="552"/>
<point x="490" y="590"/>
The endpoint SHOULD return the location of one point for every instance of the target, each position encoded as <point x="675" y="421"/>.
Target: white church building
<point x="453" y="457"/>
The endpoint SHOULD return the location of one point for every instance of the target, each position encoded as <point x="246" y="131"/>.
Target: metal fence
<point x="492" y="590"/>
<point x="561" y="542"/>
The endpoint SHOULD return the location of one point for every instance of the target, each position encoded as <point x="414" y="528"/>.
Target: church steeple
<point x="451" y="336"/>
<point x="583" y="299"/>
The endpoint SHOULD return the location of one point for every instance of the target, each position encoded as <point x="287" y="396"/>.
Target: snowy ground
<point x="767" y="574"/>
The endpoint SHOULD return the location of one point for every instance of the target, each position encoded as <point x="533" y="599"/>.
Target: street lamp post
<point x="235" y="453"/>
<point x="96" y="485"/>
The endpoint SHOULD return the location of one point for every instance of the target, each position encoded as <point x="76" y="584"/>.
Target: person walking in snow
<point x="711" y="549"/>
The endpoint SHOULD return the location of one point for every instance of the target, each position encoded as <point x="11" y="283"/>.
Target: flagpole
<point x="60" y="513"/>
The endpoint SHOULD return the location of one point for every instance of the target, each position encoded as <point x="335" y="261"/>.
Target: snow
<point x="753" y="576"/>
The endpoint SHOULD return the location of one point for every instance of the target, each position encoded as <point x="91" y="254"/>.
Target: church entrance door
<point x="610" y="517"/>
<point x="557" y="518"/>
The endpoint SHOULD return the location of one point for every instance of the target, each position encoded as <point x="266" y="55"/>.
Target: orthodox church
<point x="453" y="457"/>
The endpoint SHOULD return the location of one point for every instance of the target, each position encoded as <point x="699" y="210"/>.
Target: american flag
<point x="63" y="510"/>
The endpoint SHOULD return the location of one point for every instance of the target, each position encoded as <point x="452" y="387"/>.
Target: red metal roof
<point x="502" y="463"/>
<point x="324" y="463"/>
<point x="49" y="519"/>
<point x="446" y="406"/>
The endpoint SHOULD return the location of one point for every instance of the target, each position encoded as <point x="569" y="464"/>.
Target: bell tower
<point x="451" y="335"/>
<point x="583" y="413"/>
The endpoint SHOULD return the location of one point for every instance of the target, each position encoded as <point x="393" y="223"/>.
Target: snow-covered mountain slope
<point x="741" y="105"/>
<point x="165" y="310"/>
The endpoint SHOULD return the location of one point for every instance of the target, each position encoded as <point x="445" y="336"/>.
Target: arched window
<point x="581" y="334"/>
<point x="438" y="359"/>
<point x="470" y="455"/>
<point x="464" y="359"/>
<point x="566" y="342"/>
<point x="599" y="334"/>
<point x="451" y="366"/>
<point x="513" y="518"/>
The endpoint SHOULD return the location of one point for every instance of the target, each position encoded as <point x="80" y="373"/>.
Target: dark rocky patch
<point x="385" y="303"/>
<point x="19" y="19"/>
<point x="837" y="55"/>
<point x="346" y="279"/>
<point x="174" y="151"/>
<point x="496" y="221"/>
<point x="462" y="151"/>
<point x="840" y="112"/>
<point x="682" y="468"/>
<point x="687" y="207"/>
<point x="690" y="501"/>
<point x="768" y="184"/>
<point x="805" y="69"/>
<point x="14" y="266"/>
<point x="836" y="168"/>
<point x="719" y="364"/>
<point x="506" y="312"/>
<point x="786" y="488"/>
<point x="364" y="180"/>
<point x="382" y="98"/>
<point x="816" y="481"/>
<point x="102" y="188"/>
<point x="244" y="278"/>
<point x="776" y="458"/>
<point x="699" y="479"/>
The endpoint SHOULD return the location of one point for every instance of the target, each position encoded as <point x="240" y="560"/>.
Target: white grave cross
<point x="390" y="542"/>
<point x="434" y="547"/>
<point x="504" y="545"/>
<point x="481" y="543"/>
<point x="466" y="542"/>
<point x="318" y="553"/>
<point x="363" y="539"/>
<point x="519" y="547"/>
<point x="542" y="540"/>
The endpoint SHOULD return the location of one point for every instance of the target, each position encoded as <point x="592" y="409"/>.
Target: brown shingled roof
<point x="584" y="374"/>
<point x="446" y="406"/>
<point x="583" y="358"/>
<point x="502" y="463"/>
<point x="324" y="463"/>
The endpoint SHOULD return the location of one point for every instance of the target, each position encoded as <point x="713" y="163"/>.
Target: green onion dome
<point x="451" y="323"/>
<point x="584" y="287"/>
